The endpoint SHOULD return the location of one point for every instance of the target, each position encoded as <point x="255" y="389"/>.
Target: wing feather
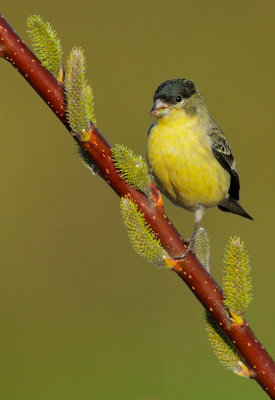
<point x="223" y="154"/>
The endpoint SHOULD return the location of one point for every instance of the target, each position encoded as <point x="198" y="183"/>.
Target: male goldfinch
<point x="189" y="155"/>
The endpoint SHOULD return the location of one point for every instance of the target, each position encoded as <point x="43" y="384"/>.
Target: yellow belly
<point x="186" y="170"/>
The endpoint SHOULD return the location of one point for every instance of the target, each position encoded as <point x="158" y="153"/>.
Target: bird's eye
<point x="178" y="99"/>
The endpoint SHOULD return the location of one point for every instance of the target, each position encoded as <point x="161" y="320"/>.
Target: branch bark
<point x="199" y="281"/>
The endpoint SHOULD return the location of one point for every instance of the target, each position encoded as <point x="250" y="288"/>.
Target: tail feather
<point x="231" y="205"/>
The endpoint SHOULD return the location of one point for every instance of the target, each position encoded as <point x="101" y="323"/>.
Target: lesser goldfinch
<point x="189" y="154"/>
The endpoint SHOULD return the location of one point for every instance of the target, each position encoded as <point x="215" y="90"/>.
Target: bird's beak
<point x="159" y="108"/>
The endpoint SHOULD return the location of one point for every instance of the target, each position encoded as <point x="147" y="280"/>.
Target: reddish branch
<point x="260" y="364"/>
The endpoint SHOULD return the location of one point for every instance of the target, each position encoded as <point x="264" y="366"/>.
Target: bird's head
<point x="175" y="95"/>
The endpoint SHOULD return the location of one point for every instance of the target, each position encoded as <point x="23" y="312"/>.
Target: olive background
<point x="83" y="316"/>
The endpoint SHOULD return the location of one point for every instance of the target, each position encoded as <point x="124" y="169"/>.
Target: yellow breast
<point x="181" y="158"/>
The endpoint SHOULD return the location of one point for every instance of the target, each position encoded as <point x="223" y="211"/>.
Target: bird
<point x="189" y="155"/>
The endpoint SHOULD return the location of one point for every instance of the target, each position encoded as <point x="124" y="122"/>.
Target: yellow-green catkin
<point x="237" y="286"/>
<point x="46" y="45"/>
<point x="78" y="94"/>
<point x="87" y="161"/>
<point x="75" y="85"/>
<point x="133" y="168"/>
<point x="143" y="239"/>
<point x="90" y="104"/>
<point x="202" y="248"/>
<point x="223" y="349"/>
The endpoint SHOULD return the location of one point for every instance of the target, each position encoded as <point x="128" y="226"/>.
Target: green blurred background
<point x="82" y="316"/>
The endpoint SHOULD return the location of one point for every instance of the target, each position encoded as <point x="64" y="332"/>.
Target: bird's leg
<point x="191" y="243"/>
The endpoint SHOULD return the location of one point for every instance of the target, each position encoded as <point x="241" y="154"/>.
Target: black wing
<point x="223" y="154"/>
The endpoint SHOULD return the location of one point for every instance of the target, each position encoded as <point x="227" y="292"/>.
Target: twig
<point x="200" y="282"/>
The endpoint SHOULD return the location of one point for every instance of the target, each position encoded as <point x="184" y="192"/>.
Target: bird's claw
<point x="190" y="249"/>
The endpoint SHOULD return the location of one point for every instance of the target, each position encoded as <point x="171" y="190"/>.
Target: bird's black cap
<point x="171" y="89"/>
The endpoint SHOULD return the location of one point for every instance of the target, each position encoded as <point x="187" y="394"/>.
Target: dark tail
<point x="231" y="205"/>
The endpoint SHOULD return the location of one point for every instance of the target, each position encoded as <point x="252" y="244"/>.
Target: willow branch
<point x="260" y="364"/>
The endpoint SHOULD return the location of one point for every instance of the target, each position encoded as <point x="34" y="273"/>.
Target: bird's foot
<point x="191" y="241"/>
<point x="190" y="248"/>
